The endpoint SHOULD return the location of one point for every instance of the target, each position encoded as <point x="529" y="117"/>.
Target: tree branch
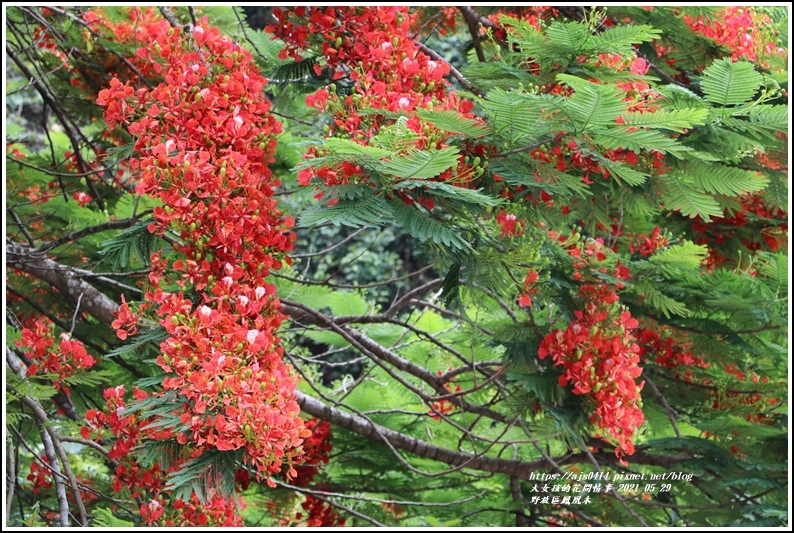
<point x="91" y="230"/>
<point x="452" y="70"/>
<point x="62" y="278"/>
<point x="473" y="21"/>
<point x="368" y="429"/>
<point x="11" y="479"/>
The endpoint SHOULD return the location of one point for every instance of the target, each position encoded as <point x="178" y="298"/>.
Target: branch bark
<point x="62" y="278"/>
<point x="369" y="429"/>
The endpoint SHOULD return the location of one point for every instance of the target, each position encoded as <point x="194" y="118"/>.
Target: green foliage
<point x="104" y="517"/>
<point x="452" y="122"/>
<point x="730" y="83"/>
<point x="426" y="228"/>
<point x="420" y="164"/>
<point x="365" y="210"/>
<point x="591" y="104"/>
<point x="135" y="242"/>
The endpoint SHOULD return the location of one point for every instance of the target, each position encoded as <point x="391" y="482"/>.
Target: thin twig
<point x="76" y="313"/>
<point x="452" y="70"/>
<point x="671" y="414"/>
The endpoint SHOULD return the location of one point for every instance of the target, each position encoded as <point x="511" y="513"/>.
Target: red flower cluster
<point x="315" y="451"/>
<point x="149" y="484"/>
<point x="657" y="345"/>
<point x="600" y="358"/>
<point x="755" y="226"/>
<point x="61" y="362"/>
<point x="443" y="406"/>
<point x="40" y="476"/>
<point x="752" y="403"/>
<point x="740" y="29"/>
<point x="647" y="245"/>
<point x="524" y="299"/>
<point x="510" y="224"/>
<point x="374" y="47"/>
<point x="205" y="136"/>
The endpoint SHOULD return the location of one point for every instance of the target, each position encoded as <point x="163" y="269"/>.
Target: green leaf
<point x="445" y="190"/>
<point x="592" y="104"/>
<point x="452" y="121"/>
<point x="681" y="196"/>
<point x="200" y="475"/>
<point x="621" y="39"/>
<point x="677" y="120"/>
<point x="367" y="210"/>
<point x="727" y="83"/>
<point x="420" y="164"/>
<point x="722" y="179"/>
<point x="516" y="115"/>
<point x="628" y="138"/>
<point x="568" y="36"/>
<point x="135" y="240"/>
<point x="145" y="340"/>
<point x="425" y="228"/>
<point x="625" y="173"/>
<point x="684" y="256"/>
<point x="107" y="519"/>
<point x="774" y="267"/>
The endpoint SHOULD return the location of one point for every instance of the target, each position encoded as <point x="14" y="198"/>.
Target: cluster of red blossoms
<point x="374" y="47"/>
<point x="61" y="362"/>
<point x="738" y="28"/>
<point x="443" y="406"/>
<point x="657" y="345"/>
<point x="148" y="483"/>
<point x="315" y="452"/>
<point x="600" y="358"/>
<point x="317" y="513"/>
<point x="205" y="136"/>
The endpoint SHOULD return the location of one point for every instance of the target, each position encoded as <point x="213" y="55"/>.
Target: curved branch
<point x="62" y="278"/>
<point x="473" y="22"/>
<point x="365" y="428"/>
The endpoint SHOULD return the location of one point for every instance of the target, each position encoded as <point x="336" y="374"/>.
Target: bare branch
<point x="62" y="278"/>
<point x="11" y="478"/>
<point x="49" y="450"/>
<point x="91" y="230"/>
<point x="170" y="17"/>
<point x="452" y="70"/>
<point x="473" y="21"/>
<point x="404" y="442"/>
<point x="671" y="414"/>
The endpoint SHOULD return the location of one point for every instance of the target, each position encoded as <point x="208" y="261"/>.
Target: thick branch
<point x="510" y="467"/>
<point x="473" y="21"/>
<point x="11" y="478"/>
<point x="366" y="428"/>
<point x="62" y="278"/>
